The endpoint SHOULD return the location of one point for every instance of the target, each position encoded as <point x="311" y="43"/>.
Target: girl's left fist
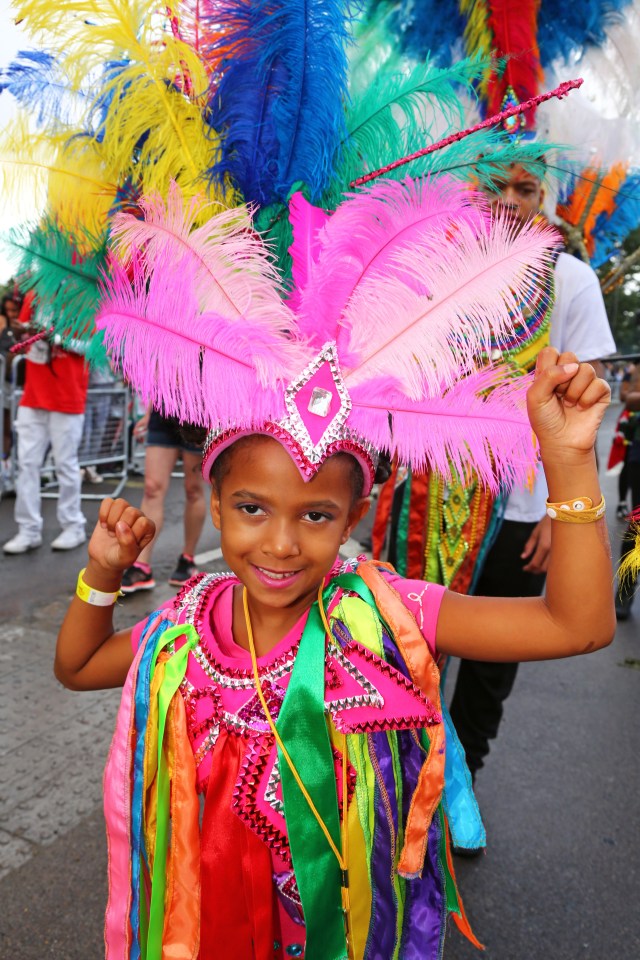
<point x="566" y="404"/>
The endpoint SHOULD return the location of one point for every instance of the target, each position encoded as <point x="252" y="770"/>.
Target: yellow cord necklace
<point x="342" y="856"/>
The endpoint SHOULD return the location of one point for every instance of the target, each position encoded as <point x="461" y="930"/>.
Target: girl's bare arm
<point x="566" y="405"/>
<point x="89" y="654"/>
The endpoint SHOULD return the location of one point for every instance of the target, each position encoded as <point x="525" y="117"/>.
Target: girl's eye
<point x="316" y="517"/>
<point x="252" y="509"/>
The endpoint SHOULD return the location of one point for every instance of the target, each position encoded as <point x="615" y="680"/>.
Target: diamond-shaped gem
<point x="320" y="402"/>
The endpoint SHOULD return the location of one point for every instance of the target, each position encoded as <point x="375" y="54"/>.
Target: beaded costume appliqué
<point x="363" y="694"/>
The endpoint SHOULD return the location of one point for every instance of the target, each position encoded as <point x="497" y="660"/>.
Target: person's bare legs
<point x="158" y="465"/>
<point x="195" y="508"/>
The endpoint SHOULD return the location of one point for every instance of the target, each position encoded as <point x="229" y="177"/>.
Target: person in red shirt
<point x="51" y="413"/>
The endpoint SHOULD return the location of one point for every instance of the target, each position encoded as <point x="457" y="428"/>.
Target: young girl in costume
<point x="299" y="695"/>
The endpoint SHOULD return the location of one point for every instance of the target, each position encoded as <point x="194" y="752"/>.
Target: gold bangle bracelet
<point x="97" y="598"/>
<point x="577" y="510"/>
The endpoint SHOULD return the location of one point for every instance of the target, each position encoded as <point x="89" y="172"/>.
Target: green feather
<point x="66" y="286"/>
<point x="483" y="157"/>
<point x="274" y="225"/>
<point x="397" y="108"/>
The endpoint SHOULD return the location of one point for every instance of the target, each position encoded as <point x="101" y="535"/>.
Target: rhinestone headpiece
<point x="316" y="427"/>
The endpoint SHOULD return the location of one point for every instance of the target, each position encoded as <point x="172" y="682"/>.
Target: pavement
<point x="559" y="792"/>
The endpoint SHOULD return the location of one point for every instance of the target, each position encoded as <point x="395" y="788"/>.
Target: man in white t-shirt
<point x="517" y="562"/>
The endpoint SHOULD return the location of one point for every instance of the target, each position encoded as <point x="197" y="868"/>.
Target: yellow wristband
<point x="578" y="510"/>
<point x="97" y="598"/>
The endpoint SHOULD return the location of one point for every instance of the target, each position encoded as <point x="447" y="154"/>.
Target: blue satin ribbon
<point x="460" y="804"/>
<point x="156" y="627"/>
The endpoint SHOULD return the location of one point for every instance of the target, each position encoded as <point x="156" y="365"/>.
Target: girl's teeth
<point x="274" y="576"/>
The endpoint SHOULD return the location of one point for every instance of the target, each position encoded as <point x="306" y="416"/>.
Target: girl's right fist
<point x="120" y="535"/>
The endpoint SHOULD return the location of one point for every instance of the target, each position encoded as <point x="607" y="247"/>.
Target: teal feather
<point x="274" y="225"/>
<point x="65" y="284"/>
<point x="397" y="109"/>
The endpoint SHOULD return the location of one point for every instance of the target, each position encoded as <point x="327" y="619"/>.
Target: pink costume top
<point x="237" y="761"/>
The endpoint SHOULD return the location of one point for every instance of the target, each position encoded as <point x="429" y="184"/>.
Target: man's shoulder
<point x="570" y="269"/>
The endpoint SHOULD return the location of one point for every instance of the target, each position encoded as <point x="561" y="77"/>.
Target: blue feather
<point x="566" y="28"/>
<point x="38" y="82"/>
<point x="279" y="103"/>
<point x="241" y="105"/>
<point x="419" y="29"/>
<point x="429" y="28"/>
<point x="612" y="229"/>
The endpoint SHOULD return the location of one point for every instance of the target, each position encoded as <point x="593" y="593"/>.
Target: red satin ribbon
<point x="417" y="528"/>
<point x="239" y="917"/>
<point x="383" y="513"/>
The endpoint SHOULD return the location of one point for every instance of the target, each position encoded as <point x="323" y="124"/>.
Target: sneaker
<point x="91" y="475"/>
<point x="69" y="539"/>
<point x="135" y="578"/>
<point x="622" y="511"/>
<point x="22" y="543"/>
<point x="468" y="853"/>
<point x="185" y="569"/>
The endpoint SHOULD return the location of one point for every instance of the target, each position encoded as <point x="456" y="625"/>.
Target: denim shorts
<point x="165" y="432"/>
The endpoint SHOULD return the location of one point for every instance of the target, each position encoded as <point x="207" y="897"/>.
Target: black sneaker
<point x="135" y="578"/>
<point x="185" y="569"/>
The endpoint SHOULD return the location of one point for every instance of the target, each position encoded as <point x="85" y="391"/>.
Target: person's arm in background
<point x="630" y="391"/>
<point x="141" y="425"/>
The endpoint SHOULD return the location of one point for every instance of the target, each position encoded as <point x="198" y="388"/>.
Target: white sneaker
<point x="91" y="475"/>
<point x="69" y="539"/>
<point x="22" y="543"/>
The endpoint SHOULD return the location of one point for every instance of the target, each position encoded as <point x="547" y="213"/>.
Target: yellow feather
<point x="88" y="202"/>
<point x="478" y="37"/>
<point x="629" y="568"/>
<point x="33" y="164"/>
<point x="154" y="129"/>
<point x="155" y="133"/>
<point x="89" y="33"/>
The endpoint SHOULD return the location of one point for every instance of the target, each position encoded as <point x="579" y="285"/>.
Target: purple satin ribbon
<point x="423" y="928"/>
<point x="382" y="929"/>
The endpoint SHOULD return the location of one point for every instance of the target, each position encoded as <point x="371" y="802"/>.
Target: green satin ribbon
<point x="303" y="728"/>
<point x="174" y="671"/>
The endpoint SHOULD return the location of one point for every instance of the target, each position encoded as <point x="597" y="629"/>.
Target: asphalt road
<point x="559" y="793"/>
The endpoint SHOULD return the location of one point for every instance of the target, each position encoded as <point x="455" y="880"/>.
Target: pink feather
<point x="307" y="222"/>
<point x="479" y="425"/>
<point x="369" y="231"/>
<point x="201" y="368"/>
<point x="232" y="271"/>
<point x="477" y="280"/>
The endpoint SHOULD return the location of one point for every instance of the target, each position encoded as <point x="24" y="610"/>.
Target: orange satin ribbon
<point x="425" y="674"/>
<point x="181" y="936"/>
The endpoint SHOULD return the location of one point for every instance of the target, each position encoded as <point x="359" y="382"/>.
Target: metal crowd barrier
<point x="104" y="444"/>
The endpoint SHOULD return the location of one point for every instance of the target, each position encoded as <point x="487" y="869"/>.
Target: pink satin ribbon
<point x="117" y="813"/>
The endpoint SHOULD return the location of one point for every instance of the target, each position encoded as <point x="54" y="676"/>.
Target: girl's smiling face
<point x="280" y="535"/>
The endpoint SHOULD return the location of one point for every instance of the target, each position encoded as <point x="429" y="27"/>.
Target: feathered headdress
<point x="400" y="292"/>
